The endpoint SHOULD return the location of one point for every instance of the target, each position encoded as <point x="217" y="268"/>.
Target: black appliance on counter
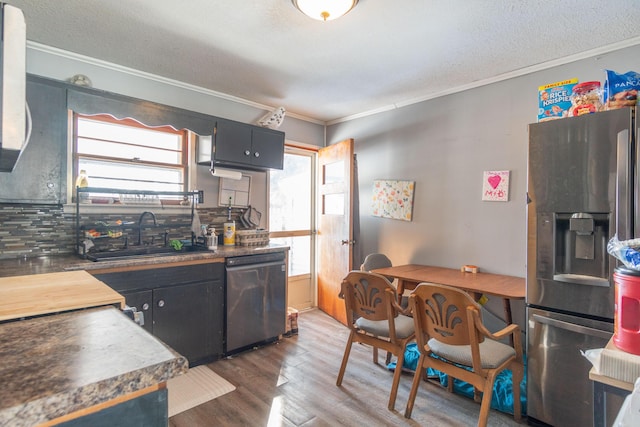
<point x="255" y="300"/>
<point x="583" y="190"/>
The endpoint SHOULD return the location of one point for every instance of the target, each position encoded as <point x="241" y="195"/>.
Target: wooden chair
<point x="451" y="337"/>
<point x="371" y="262"/>
<point x="373" y="315"/>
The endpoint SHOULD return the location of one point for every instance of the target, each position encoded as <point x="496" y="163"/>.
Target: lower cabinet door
<point x="182" y="319"/>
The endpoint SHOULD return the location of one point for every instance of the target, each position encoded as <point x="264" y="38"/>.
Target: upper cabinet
<point x="240" y="145"/>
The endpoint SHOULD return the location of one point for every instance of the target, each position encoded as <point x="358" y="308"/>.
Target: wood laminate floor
<point x="293" y="383"/>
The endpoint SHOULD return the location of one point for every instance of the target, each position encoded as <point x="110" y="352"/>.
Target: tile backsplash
<point x="34" y="230"/>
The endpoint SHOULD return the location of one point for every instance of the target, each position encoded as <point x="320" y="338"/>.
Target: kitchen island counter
<point x="62" y="366"/>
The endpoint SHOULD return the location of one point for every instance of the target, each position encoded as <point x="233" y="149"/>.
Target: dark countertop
<point x="58" y="364"/>
<point x="52" y="264"/>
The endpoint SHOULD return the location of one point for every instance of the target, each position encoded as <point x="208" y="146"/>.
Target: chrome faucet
<point x="155" y="224"/>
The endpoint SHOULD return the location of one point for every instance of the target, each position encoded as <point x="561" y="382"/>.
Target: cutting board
<point x="36" y="294"/>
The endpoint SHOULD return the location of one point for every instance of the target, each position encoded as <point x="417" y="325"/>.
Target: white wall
<point x="445" y="145"/>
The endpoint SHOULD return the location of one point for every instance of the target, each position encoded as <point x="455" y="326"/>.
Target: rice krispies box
<point x="555" y="100"/>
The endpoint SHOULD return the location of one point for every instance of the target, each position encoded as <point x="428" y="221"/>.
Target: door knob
<point x="247" y="152"/>
<point x="256" y="154"/>
<point x="161" y="303"/>
<point x="145" y="306"/>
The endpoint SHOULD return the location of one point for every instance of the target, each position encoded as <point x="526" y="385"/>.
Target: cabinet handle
<point x="247" y="152"/>
<point x="145" y="306"/>
<point x="256" y="154"/>
<point x="161" y="303"/>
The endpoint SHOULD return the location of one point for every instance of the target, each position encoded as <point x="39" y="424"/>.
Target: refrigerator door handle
<point x="572" y="327"/>
<point x="623" y="187"/>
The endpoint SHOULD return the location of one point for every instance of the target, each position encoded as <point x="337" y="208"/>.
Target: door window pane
<point x="290" y="195"/>
<point x="299" y="254"/>
<point x="333" y="173"/>
<point x="333" y="204"/>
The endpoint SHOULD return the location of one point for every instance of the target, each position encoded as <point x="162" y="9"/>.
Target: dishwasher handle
<point x="572" y="327"/>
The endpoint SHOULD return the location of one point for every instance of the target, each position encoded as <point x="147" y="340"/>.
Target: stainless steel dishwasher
<point x="256" y="300"/>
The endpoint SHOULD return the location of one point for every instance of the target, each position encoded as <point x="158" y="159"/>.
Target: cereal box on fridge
<point x="555" y="100"/>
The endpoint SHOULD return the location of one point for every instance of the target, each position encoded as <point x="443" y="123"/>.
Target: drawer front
<point x="127" y="281"/>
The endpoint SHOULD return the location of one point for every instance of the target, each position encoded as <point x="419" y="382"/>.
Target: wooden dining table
<point x="477" y="284"/>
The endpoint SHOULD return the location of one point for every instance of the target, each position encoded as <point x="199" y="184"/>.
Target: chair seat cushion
<point x="492" y="353"/>
<point x="380" y="328"/>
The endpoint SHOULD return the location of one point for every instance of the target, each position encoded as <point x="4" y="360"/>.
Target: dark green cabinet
<point x="183" y="306"/>
<point x="148" y="410"/>
<point x="245" y="146"/>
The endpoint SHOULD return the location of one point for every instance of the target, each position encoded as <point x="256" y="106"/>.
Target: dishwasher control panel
<point x="255" y="259"/>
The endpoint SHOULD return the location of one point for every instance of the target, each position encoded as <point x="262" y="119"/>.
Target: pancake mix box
<point x="554" y="100"/>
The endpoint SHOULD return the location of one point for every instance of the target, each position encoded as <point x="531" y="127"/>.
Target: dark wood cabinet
<point x="143" y="302"/>
<point x="184" y="318"/>
<point x="245" y="146"/>
<point x="183" y="306"/>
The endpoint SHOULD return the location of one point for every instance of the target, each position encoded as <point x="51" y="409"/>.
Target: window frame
<point x="185" y="141"/>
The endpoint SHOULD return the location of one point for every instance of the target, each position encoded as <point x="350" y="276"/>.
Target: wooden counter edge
<point x="609" y="380"/>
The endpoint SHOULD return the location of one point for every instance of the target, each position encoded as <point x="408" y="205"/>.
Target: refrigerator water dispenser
<point x="581" y="248"/>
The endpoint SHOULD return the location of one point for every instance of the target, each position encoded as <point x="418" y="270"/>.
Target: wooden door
<point x="335" y="225"/>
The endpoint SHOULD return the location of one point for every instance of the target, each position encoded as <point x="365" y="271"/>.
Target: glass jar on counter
<point x="586" y="98"/>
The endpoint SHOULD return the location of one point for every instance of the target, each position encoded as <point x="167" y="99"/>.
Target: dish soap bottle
<point x="212" y="239"/>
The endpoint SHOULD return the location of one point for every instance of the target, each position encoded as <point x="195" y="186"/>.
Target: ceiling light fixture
<point x="324" y="10"/>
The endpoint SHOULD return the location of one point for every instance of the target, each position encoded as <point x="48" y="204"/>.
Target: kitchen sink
<point x="145" y="251"/>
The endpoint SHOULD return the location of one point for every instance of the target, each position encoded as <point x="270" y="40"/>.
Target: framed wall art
<point x="495" y="186"/>
<point x="393" y="199"/>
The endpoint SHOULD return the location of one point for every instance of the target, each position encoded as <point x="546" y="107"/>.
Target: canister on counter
<point x="229" y="233"/>
<point x="626" y="318"/>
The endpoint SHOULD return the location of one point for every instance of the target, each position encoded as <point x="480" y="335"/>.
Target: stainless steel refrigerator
<point x="582" y="189"/>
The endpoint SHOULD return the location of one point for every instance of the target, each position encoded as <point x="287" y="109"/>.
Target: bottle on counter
<point x="229" y="233"/>
<point x="212" y="239"/>
<point x="83" y="181"/>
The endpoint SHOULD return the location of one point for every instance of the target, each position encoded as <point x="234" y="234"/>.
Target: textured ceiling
<point x="381" y="54"/>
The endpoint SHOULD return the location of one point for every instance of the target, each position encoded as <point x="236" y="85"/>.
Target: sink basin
<point x="146" y="251"/>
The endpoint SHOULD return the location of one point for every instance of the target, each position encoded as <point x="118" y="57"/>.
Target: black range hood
<point x="13" y="82"/>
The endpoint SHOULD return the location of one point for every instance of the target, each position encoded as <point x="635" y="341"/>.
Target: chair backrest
<point x="367" y="295"/>
<point x="373" y="261"/>
<point x="440" y="311"/>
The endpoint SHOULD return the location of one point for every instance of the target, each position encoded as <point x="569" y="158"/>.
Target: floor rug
<point x="194" y="388"/>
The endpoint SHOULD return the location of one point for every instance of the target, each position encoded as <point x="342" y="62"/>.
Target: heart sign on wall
<point x="495" y="186"/>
